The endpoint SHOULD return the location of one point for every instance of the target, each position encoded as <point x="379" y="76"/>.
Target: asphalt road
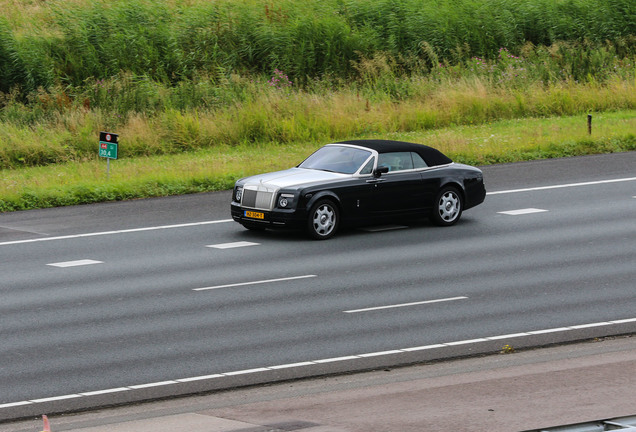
<point x="529" y="390"/>
<point x="125" y="301"/>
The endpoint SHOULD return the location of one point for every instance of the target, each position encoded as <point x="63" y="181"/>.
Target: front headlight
<point x="238" y="194"/>
<point x="285" y="201"/>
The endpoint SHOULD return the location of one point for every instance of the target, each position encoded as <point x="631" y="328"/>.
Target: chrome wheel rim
<point x="324" y="220"/>
<point x="449" y="206"/>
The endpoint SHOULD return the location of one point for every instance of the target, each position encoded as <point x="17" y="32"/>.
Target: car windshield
<point x="340" y="159"/>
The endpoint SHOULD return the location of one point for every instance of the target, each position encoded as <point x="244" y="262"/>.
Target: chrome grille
<point x="249" y="198"/>
<point x="257" y="199"/>
<point x="263" y="200"/>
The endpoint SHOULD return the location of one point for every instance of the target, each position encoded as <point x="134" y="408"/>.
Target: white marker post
<point x="108" y="146"/>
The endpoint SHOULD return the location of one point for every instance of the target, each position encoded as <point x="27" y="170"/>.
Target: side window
<point x="368" y="168"/>
<point x="418" y="162"/>
<point x="396" y="161"/>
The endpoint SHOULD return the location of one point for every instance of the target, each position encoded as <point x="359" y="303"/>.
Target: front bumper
<point x="277" y="218"/>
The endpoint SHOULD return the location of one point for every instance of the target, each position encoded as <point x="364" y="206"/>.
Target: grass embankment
<point x="203" y="92"/>
<point x="217" y="168"/>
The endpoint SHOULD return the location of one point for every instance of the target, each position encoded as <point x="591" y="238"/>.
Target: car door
<point x="357" y="194"/>
<point x="400" y="190"/>
<point x="368" y="197"/>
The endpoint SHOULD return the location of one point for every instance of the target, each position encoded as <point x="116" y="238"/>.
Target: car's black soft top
<point x="431" y="156"/>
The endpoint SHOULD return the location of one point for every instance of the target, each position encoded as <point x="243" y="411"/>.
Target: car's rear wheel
<point x="323" y="221"/>
<point x="448" y="207"/>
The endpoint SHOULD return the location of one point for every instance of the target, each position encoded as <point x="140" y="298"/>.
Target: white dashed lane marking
<point x="232" y="245"/>
<point x="405" y="304"/>
<point x="522" y="211"/>
<point x="255" y="282"/>
<point x="75" y="263"/>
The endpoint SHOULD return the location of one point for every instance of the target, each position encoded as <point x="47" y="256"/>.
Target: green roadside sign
<point x="107" y="150"/>
<point x="108" y="143"/>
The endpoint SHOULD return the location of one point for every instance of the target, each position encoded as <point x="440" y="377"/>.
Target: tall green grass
<point x="171" y="41"/>
<point x="284" y="116"/>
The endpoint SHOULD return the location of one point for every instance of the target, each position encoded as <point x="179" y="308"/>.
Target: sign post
<point x="108" y="146"/>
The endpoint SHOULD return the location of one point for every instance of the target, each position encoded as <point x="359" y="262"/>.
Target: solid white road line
<point x="15" y="404"/>
<point x="95" y="234"/>
<point x="107" y="391"/>
<point x="290" y="365"/>
<point x="75" y="263"/>
<point x="246" y="371"/>
<point x="150" y="385"/>
<point x="540" y="188"/>
<point x="405" y="304"/>
<point x="56" y="398"/>
<point x="200" y="378"/>
<point x="254" y="282"/>
<point x="522" y="211"/>
<point x="322" y="361"/>
<point x="336" y="359"/>
<point x="381" y="353"/>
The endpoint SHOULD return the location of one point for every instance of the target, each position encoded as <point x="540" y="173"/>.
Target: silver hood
<point x="290" y="178"/>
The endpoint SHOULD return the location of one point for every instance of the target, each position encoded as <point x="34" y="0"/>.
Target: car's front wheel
<point x="448" y="207"/>
<point x="323" y="221"/>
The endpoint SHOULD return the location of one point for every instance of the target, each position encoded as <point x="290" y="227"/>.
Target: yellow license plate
<point x="254" y="215"/>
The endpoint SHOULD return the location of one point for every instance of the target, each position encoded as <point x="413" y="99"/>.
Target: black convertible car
<point x="359" y="182"/>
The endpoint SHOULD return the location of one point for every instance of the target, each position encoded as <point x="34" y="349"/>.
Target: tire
<point x="448" y="207"/>
<point x="323" y="220"/>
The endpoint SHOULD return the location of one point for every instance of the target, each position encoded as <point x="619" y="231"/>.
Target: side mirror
<point x="382" y="169"/>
